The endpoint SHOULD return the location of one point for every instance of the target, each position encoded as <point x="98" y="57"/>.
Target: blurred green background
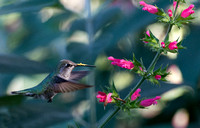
<point x="36" y="34"/>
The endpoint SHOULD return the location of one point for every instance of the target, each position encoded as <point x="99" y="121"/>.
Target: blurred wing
<point x="61" y="85"/>
<point x="77" y="75"/>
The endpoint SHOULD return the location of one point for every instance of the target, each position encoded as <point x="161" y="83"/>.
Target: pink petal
<point x="150" y="8"/>
<point x="157" y="77"/>
<point x="101" y="93"/>
<point x="173" y="45"/>
<point x="142" y="3"/>
<point x="109" y="98"/>
<point x="121" y="63"/>
<point x="136" y="94"/>
<point x="149" y="102"/>
<point x="140" y="68"/>
<point x="102" y="100"/>
<point x="102" y="96"/>
<point x="148" y="33"/>
<point x="170" y="13"/>
<point x="163" y="44"/>
<point x="157" y="98"/>
<point x="188" y="11"/>
<point x="110" y="58"/>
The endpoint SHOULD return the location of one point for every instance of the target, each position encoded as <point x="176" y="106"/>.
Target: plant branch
<point x="142" y="79"/>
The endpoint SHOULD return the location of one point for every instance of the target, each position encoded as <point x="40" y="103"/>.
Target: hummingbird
<point x="61" y="80"/>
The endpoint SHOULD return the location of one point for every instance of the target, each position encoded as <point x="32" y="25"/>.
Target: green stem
<point x="135" y="88"/>
<point x="115" y="111"/>
<point x="90" y="78"/>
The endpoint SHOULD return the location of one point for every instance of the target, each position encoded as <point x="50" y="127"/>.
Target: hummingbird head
<point x="66" y="66"/>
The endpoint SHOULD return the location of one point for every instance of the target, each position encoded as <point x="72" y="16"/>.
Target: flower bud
<point x="121" y="63"/>
<point x="157" y="77"/>
<point x="170" y="13"/>
<point x="148" y="33"/>
<point x="149" y="102"/>
<point x="163" y="44"/>
<point x="136" y="94"/>
<point x="173" y="45"/>
<point x="150" y="8"/>
<point x="188" y="11"/>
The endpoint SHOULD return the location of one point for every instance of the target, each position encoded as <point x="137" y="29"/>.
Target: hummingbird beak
<point x="85" y="65"/>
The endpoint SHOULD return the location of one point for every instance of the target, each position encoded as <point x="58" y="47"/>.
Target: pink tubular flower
<point x="150" y="8"/>
<point x="109" y="98"/>
<point x="188" y="11"/>
<point x="136" y="94"/>
<point x="141" y="68"/>
<point x="157" y="77"/>
<point x="170" y="13"/>
<point x="148" y="33"/>
<point x="104" y="97"/>
<point x="173" y="45"/>
<point x="163" y="44"/>
<point x="149" y="102"/>
<point x="121" y="63"/>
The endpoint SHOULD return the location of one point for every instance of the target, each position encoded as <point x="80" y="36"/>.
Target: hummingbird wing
<point x="62" y="85"/>
<point x="77" y="75"/>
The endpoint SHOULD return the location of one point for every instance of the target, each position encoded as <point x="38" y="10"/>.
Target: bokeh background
<point x="36" y="34"/>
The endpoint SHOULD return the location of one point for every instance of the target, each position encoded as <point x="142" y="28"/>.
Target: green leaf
<point x="25" y="6"/>
<point x="151" y="69"/>
<point x="33" y="114"/>
<point x="11" y="100"/>
<point x="114" y="88"/>
<point x="17" y="64"/>
<point x="99" y="20"/>
<point x="79" y="51"/>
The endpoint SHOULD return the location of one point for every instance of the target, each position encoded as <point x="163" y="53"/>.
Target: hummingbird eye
<point x="67" y="65"/>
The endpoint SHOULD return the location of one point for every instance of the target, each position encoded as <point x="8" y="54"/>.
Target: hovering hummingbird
<point x="63" y="79"/>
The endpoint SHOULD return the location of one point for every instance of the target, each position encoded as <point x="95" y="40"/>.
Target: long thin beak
<point x="85" y="65"/>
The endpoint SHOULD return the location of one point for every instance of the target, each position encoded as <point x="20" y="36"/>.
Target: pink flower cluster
<point x="154" y="10"/>
<point x="106" y="98"/>
<point x="171" y="46"/>
<point x="121" y="63"/>
<point x="146" y="102"/>
<point x="185" y="13"/>
<point x="150" y="8"/>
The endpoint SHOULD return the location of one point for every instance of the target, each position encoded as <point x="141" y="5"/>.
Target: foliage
<point x="36" y="34"/>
